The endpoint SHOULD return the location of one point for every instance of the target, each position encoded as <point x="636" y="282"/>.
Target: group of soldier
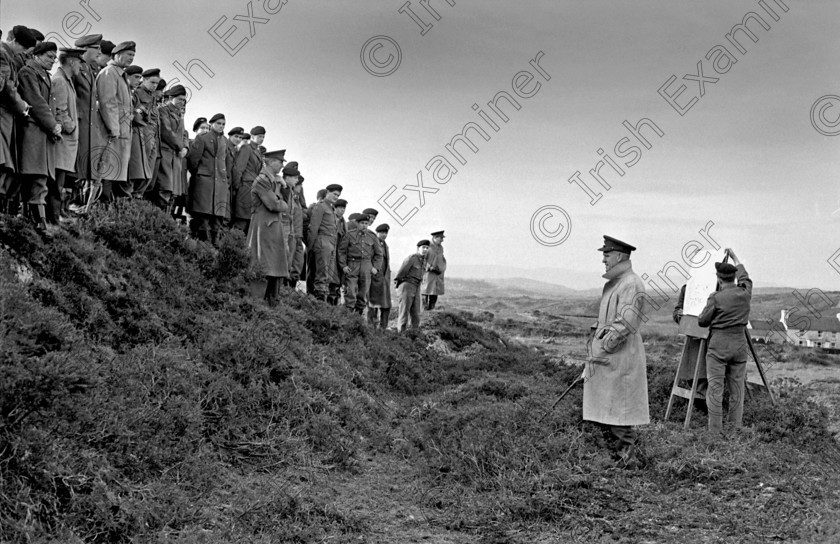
<point x="101" y="129"/>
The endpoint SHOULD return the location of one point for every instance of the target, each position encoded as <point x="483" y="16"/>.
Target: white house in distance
<point x="810" y="332"/>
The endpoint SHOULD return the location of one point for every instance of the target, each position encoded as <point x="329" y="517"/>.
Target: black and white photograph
<point x="421" y="271"/>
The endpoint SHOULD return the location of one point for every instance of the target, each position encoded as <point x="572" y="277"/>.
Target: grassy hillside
<point x="145" y="396"/>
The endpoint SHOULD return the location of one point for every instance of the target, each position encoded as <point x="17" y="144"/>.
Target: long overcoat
<point x="11" y="104"/>
<point x="380" y="283"/>
<point x="37" y="149"/>
<point x="109" y="159"/>
<point x="209" y="163"/>
<point x="172" y="141"/>
<point x="139" y="166"/>
<point x="615" y="388"/>
<point x="151" y="129"/>
<point x="85" y="84"/>
<point x="266" y="238"/>
<point x="66" y="114"/>
<point x="433" y="282"/>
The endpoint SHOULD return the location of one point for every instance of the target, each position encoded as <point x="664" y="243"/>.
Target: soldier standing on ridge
<point x="173" y="148"/>
<point x="144" y="99"/>
<point x="84" y="82"/>
<point x="209" y="162"/>
<point x="408" y="280"/>
<point x="379" y="299"/>
<point x="266" y="238"/>
<point x="139" y="169"/>
<point x="615" y="391"/>
<point x="433" y="282"/>
<point x="322" y="236"/>
<point x="359" y="256"/>
<point x="64" y="95"/>
<point x="246" y="167"/>
<point x="726" y="314"/>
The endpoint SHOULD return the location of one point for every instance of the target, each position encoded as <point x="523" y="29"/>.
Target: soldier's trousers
<point x="34" y="189"/>
<point x="324" y="256"/>
<point x="55" y="196"/>
<point x="409" y="305"/>
<point x="296" y="262"/>
<point x="726" y="368"/>
<point x="357" y="285"/>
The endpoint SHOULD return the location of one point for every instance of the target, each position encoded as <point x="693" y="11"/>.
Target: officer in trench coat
<point x="66" y="149"/>
<point x="209" y="196"/>
<point x="615" y="391"/>
<point x="379" y="299"/>
<point x="266" y="238"/>
<point x="433" y="280"/>
<point x="111" y="137"/>
<point x="173" y="148"/>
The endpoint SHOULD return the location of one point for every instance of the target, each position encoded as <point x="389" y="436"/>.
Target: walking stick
<point x="566" y="392"/>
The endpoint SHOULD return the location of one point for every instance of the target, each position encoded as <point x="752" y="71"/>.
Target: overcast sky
<point x="745" y="156"/>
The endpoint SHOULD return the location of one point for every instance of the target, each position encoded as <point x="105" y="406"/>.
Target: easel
<point x="696" y="338"/>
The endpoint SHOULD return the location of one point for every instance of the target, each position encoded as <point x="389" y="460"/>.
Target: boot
<point x="38" y="216"/>
<point x="214" y="238"/>
<point x="372" y="317"/>
<point x="384" y="314"/>
<point x="4" y="205"/>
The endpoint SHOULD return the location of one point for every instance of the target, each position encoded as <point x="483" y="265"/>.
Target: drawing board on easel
<point x="697" y="290"/>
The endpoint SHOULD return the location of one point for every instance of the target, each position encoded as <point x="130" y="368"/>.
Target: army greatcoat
<point x="85" y="84"/>
<point x="266" y="238"/>
<point x="209" y="163"/>
<point x="37" y="149"/>
<point x="433" y="279"/>
<point x="66" y="114"/>
<point x="111" y="136"/>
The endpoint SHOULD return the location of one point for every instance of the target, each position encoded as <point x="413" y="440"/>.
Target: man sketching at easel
<point x="726" y="315"/>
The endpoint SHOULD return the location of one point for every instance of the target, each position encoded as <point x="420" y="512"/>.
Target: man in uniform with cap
<point x="84" y="83"/>
<point x="359" y="256"/>
<point x="615" y="392"/>
<point x="379" y="299"/>
<point x="40" y="131"/>
<point x="266" y="238"/>
<point x="292" y="219"/>
<point x="408" y="280"/>
<point x="309" y="256"/>
<point x="322" y="239"/>
<point x="173" y="148"/>
<point x="726" y="315"/>
<point x="139" y="169"/>
<point x="111" y="139"/>
<point x="210" y="163"/>
<point x="64" y="95"/>
<point x="145" y="99"/>
<point x="433" y="282"/>
<point x="246" y="166"/>
<point x="11" y="106"/>
<point x="341" y="227"/>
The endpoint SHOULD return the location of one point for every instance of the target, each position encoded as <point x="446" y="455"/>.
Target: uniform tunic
<point x="359" y="250"/>
<point x="322" y="240"/>
<point x="615" y="387"/>
<point x="408" y="280"/>
<point x="67" y="115"/>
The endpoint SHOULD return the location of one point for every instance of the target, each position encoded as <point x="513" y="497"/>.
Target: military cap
<point x="161" y="85"/>
<point x="371" y="211"/>
<point x="363" y="217"/>
<point x="334" y="187"/>
<point x="91" y="40"/>
<point x="133" y="70"/>
<point x="353" y="216"/>
<point x="217" y="117"/>
<point x="258" y="130"/>
<point x="177" y="90"/>
<point x="106" y="47"/>
<point x="245" y="136"/>
<point x="236" y="131"/>
<point x="438" y="233"/>
<point x="44" y="47"/>
<point x="198" y="122"/>
<point x="341" y="203"/>
<point x="37" y="34"/>
<point x="23" y="36"/>
<point x="275" y="155"/>
<point x="72" y="52"/>
<point x="124" y="46"/>
<point x="151" y="72"/>
<point x="291" y="169"/>
<point x="384" y="227"/>
<point x="725" y="271"/>
<point x="613" y="244"/>
<point x="423" y="243"/>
